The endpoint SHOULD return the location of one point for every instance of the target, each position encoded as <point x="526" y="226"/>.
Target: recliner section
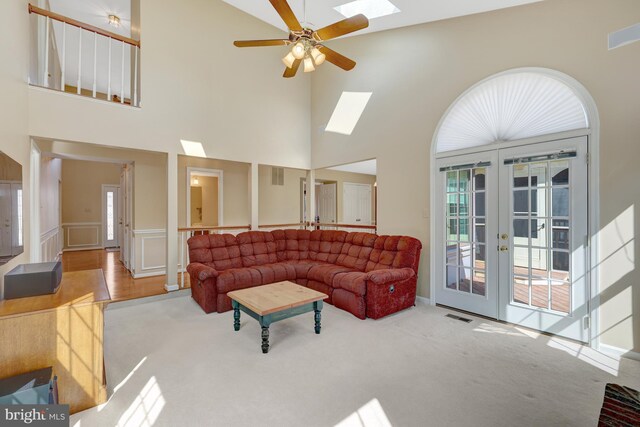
<point x="365" y="274"/>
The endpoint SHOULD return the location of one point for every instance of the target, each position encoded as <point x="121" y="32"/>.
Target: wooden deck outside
<point x="122" y="286"/>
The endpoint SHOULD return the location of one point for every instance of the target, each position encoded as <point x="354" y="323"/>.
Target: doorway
<point x="204" y="197"/>
<point x="356" y="203"/>
<point x="514" y="227"/>
<point x="110" y="215"/>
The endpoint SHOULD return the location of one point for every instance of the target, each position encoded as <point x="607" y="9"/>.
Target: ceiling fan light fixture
<point x="114" y="21"/>
<point x="308" y="65"/>
<point x="298" y="50"/>
<point x="288" y="60"/>
<point x="318" y="57"/>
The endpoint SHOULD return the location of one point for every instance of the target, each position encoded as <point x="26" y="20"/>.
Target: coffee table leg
<point x="236" y="315"/>
<point x="317" y="308"/>
<point x="265" y="339"/>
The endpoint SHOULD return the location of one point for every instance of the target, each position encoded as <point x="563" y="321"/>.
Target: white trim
<point x="34" y="203"/>
<point x="171" y="288"/>
<point x="144" y="267"/>
<point x="217" y="173"/>
<point x="618" y="352"/>
<point x="149" y="231"/>
<point x="593" y="137"/>
<point x="423" y="300"/>
<point x="84" y="98"/>
<point x="97" y="226"/>
<point x="148" y="274"/>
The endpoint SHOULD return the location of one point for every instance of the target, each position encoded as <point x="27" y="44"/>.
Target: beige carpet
<point x="169" y="364"/>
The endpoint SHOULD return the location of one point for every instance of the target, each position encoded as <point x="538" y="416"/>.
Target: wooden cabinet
<point x="64" y="330"/>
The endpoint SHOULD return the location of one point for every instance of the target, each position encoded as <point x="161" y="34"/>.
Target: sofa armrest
<point x="387" y="275"/>
<point x="201" y="272"/>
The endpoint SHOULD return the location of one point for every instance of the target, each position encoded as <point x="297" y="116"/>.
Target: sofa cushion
<point x="326" y="245"/>
<point x="356" y="250"/>
<point x="291" y="245"/>
<point x="325" y="273"/>
<point x="354" y="282"/>
<point x="302" y="267"/>
<point x="278" y="272"/>
<point x="238" y="278"/>
<point x="219" y="251"/>
<point x="257" y="248"/>
<point x="394" y="252"/>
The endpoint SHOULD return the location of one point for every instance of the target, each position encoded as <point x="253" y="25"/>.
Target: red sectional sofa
<point x="365" y="274"/>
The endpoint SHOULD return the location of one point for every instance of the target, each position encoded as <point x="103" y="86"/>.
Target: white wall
<point x="196" y="86"/>
<point x="415" y="73"/>
<point x="14" y="51"/>
<point x="51" y="237"/>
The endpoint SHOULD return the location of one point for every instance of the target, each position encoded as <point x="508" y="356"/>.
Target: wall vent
<point x="277" y="176"/>
<point x="462" y="319"/>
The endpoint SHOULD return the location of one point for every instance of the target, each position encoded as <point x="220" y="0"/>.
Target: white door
<point x="466" y="225"/>
<point x="543" y="236"/>
<point x="110" y="215"/>
<point x="327" y="195"/>
<point x="356" y="203"/>
<point x="127" y="220"/>
<point x="512" y="232"/>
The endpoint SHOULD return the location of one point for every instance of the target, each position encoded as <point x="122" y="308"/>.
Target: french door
<point x="513" y="235"/>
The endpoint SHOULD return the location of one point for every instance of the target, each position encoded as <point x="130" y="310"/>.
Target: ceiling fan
<point x="307" y="44"/>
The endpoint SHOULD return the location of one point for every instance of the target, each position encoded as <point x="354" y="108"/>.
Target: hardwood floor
<point x="122" y="286"/>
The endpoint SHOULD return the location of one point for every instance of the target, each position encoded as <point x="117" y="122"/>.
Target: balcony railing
<point x="75" y="57"/>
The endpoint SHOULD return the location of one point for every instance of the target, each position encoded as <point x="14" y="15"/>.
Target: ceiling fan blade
<point x="287" y="15"/>
<point x="340" y="28"/>
<point x="337" y="59"/>
<point x="260" y="43"/>
<point x="291" y="72"/>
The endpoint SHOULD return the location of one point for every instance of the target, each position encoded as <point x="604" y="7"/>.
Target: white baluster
<point x="79" y="87"/>
<point x="109" y="73"/>
<point x="64" y="56"/>
<point x="135" y="78"/>
<point x="182" y="259"/>
<point x="122" y="77"/>
<point x="95" y="61"/>
<point x="45" y="78"/>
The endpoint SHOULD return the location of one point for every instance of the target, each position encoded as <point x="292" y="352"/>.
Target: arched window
<point x="509" y="107"/>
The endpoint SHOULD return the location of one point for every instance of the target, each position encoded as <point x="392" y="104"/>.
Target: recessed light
<point x="114" y="21"/>
<point x="370" y="8"/>
<point x="347" y="113"/>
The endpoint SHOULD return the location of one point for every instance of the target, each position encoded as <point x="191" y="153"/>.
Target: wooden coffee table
<point x="277" y="301"/>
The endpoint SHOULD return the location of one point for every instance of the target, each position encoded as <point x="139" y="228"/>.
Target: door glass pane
<point x="110" y="217"/>
<point x="452" y="182"/>
<point x="560" y="296"/>
<point x="479" y="283"/>
<point x="560" y="202"/>
<point x="521" y="289"/>
<point x="452" y="229"/>
<point x="538" y="174"/>
<point x="452" y="277"/>
<point x="464" y="204"/>
<point x="464" y="230"/>
<point x="464" y="283"/>
<point x="465" y="255"/>
<point x="521" y="202"/>
<point x="539" y="232"/>
<point x="479" y="179"/>
<point x="464" y="180"/>
<point x="480" y="232"/>
<point x="479" y="204"/>
<point x="560" y="172"/>
<point x="480" y="254"/>
<point x="452" y="253"/>
<point x="452" y="204"/>
<point x="520" y="176"/>
<point x="540" y="293"/>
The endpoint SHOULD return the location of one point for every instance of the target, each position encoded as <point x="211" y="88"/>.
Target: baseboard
<point x="423" y="300"/>
<point x="83" y="248"/>
<point x="618" y="352"/>
<point x="148" y="274"/>
<point x="171" y="288"/>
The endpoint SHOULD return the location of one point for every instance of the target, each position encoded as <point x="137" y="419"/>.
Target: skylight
<point x="350" y="107"/>
<point x="193" y="148"/>
<point x="370" y="8"/>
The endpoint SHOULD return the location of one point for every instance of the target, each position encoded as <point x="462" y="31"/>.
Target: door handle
<point x="503" y="248"/>
<point x="504" y="236"/>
